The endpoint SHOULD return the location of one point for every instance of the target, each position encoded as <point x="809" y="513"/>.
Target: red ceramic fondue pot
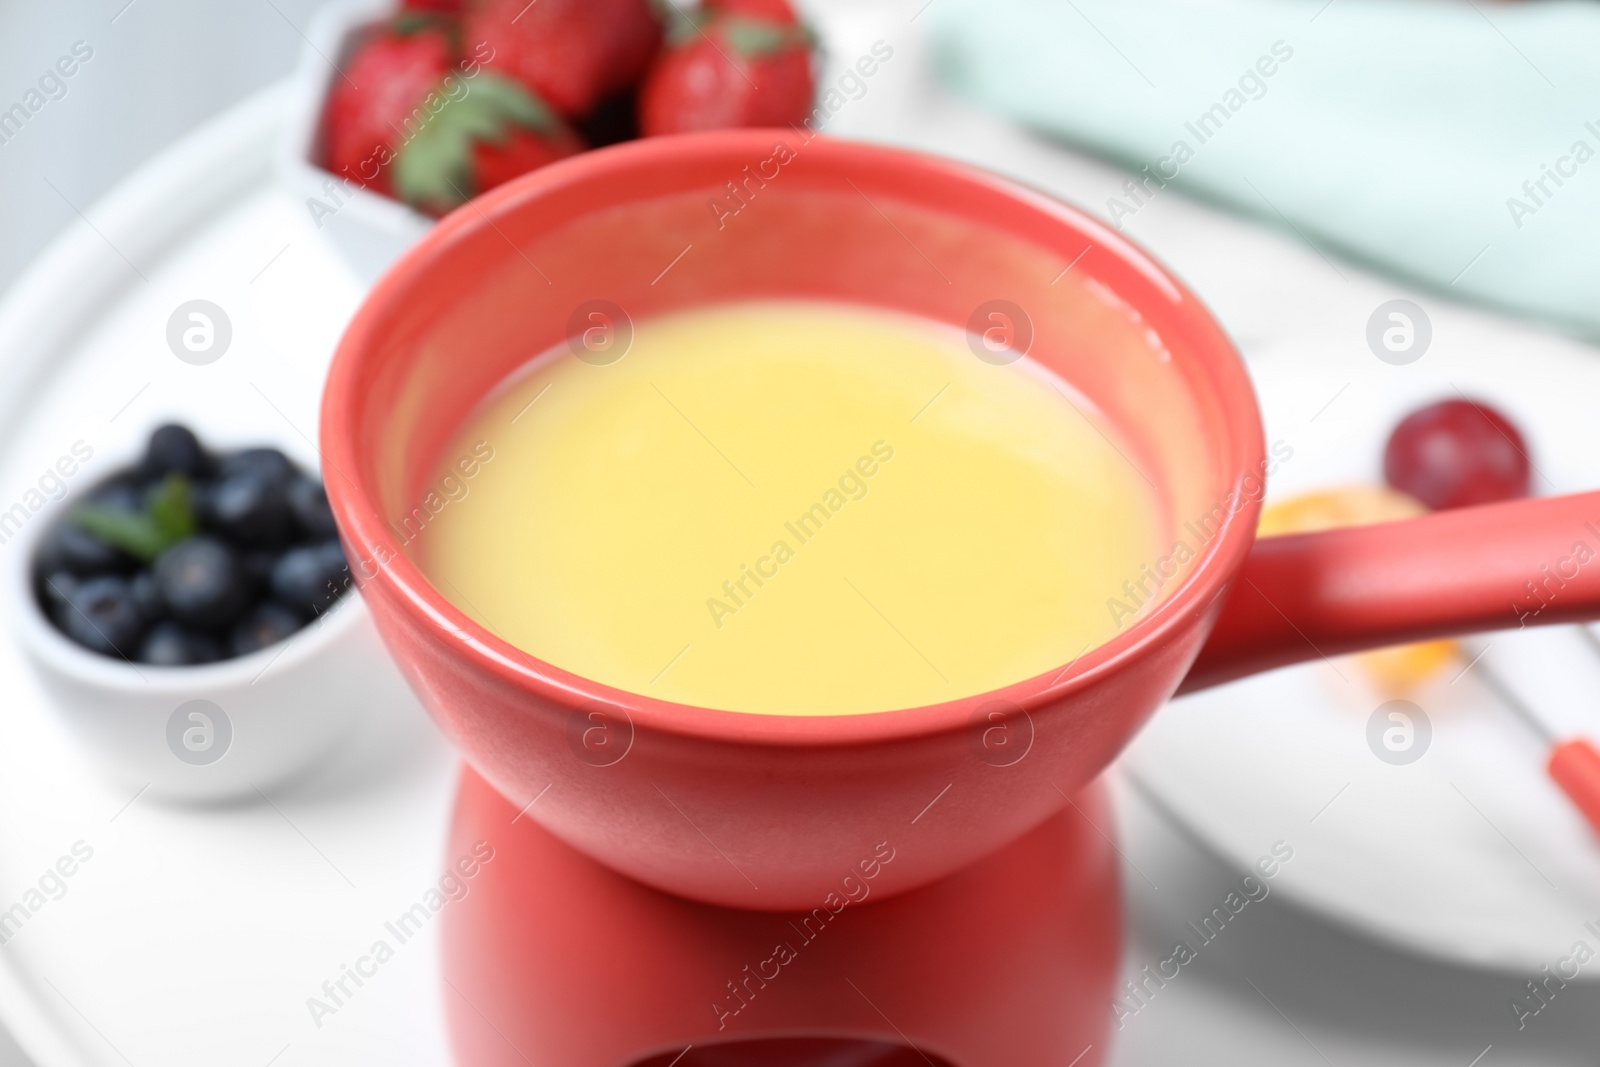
<point x="776" y="812"/>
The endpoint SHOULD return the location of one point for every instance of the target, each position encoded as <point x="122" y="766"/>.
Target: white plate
<point x="190" y="935"/>
<point x="1470" y="853"/>
<point x="1400" y="855"/>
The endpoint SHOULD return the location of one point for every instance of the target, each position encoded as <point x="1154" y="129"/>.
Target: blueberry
<point x="309" y="502"/>
<point x="268" y="463"/>
<point x="201" y="582"/>
<point x="311" y="577"/>
<point x="257" y="566"/>
<point x="101" y="616"/>
<point x="252" y="510"/>
<point x="266" y="624"/>
<point x="170" y="645"/>
<point x="55" y="592"/>
<point x="173" y="449"/>
<point x="69" y="547"/>
<point x="146" y="596"/>
<point x="200" y="501"/>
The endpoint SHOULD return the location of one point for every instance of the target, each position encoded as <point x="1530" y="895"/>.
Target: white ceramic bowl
<point x="368" y="230"/>
<point x="214" y="732"/>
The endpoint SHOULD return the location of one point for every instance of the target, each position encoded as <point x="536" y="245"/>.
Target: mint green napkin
<point x="1452" y="142"/>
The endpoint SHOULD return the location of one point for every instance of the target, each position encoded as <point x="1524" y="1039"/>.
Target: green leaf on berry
<point x="168" y="517"/>
<point x="433" y="168"/>
<point x="408" y="23"/>
<point x="760" y="37"/>
<point x="416" y="23"/>
<point x="683" y="26"/>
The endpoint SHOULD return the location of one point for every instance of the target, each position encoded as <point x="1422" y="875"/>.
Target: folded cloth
<point x="1452" y="142"/>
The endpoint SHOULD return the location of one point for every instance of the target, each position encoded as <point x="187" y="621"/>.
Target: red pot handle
<point x="1495" y="567"/>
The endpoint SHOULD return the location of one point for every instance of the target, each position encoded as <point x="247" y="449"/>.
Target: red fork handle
<point x="1575" y="766"/>
<point x="1495" y="567"/>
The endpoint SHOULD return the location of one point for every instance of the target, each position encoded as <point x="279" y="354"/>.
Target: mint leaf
<point x="171" y="509"/>
<point x="130" y="531"/>
<point x="168" y="517"/>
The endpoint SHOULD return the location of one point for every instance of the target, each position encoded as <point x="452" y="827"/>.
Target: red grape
<point x="1457" y="453"/>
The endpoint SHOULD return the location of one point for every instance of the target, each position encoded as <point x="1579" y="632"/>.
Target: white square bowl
<point x="368" y="230"/>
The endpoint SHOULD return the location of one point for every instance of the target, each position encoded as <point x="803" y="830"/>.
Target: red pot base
<point x="554" y="958"/>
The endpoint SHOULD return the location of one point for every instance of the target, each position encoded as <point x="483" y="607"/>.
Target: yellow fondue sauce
<point x="791" y="508"/>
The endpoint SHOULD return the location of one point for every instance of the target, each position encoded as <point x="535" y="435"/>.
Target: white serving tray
<point x="196" y="936"/>
<point x="191" y="935"/>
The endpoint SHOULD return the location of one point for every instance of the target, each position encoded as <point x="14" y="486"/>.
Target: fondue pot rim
<point x="348" y="477"/>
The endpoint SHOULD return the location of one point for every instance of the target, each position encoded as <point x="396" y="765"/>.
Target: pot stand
<point x="554" y="958"/>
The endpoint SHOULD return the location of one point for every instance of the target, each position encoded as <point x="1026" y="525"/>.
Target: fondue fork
<point x="1574" y="764"/>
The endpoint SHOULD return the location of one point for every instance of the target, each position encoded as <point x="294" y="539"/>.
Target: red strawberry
<point x="392" y="70"/>
<point x="570" y="53"/>
<point x="447" y="7"/>
<point x="729" y="71"/>
<point x="407" y="124"/>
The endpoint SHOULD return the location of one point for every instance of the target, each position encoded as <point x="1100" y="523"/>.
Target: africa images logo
<point x="199" y="732"/>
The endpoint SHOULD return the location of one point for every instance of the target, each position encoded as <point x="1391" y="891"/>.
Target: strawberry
<point x="404" y="122"/>
<point x="393" y="69"/>
<point x="446" y="7"/>
<point x="570" y="53"/>
<point x="729" y="70"/>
